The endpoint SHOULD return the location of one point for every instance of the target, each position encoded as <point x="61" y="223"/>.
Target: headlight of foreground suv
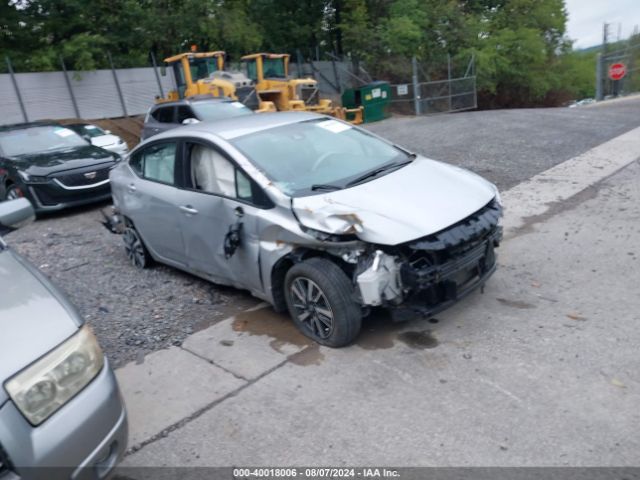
<point x="32" y="178"/>
<point x="46" y="385"/>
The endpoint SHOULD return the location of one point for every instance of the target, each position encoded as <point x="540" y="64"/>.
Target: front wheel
<point x="13" y="192"/>
<point x="320" y="300"/>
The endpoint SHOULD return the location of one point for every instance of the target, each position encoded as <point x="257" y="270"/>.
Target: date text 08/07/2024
<point x="285" y="473"/>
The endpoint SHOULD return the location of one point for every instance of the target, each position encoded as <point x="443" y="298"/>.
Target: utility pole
<point x="600" y="63"/>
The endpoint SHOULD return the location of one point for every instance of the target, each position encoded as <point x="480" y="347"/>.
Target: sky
<point x="587" y="16"/>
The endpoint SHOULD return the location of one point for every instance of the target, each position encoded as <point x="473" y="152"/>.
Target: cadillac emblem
<point x="90" y="175"/>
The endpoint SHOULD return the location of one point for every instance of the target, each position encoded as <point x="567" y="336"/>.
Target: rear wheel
<point x="320" y="300"/>
<point x="136" y="252"/>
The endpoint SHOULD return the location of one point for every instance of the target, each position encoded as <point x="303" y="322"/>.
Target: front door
<point x="210" y="207"/>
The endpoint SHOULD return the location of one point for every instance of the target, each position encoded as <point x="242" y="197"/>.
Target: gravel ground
<point x="135" y="312"/>
<point x="132" y="311"/>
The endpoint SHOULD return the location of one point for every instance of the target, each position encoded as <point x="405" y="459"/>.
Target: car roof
<point x="192" y="100"/>
<point x="19" y="126"/>
<point x="230" y="128"/>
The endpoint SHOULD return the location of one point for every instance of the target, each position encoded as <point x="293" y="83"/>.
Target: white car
<point x="100" y="138"/>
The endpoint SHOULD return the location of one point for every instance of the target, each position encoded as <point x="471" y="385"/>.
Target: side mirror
<point x="190" y="121"/>
<point x="16" y="213"/>
<point x="108" y="132"/>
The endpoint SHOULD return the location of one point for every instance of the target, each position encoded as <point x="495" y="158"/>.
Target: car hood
<point x="45" y="163"/>
<point x="419" y="199"/>
<point x="105" y="140"/>
<point x="34" y="316"/>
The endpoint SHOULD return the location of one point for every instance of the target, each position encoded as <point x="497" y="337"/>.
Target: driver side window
<point x="212" y="172"/>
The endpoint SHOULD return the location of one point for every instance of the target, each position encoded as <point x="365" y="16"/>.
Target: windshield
<point x="323" y="152"/>
<point x="38" y="139"/>
<point x="90" y="130"/>
<point x="202" y="68"/>
<point x="220" y="110"/>
<point x="273" y="67"/>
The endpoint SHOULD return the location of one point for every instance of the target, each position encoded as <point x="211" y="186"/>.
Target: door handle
<point x="189" y="210"/>
<point x="132" y="188"/>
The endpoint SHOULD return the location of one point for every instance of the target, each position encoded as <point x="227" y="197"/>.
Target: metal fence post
<point x="15" y="86"/>
<point x="599" y="77"/>
<point x="416" y="87"/>
<point x="155" y="70"/>
<point x="335" y="73"/>
<point x="115" y="79"/>
<point x="449" y="79"/>
<point x="68" y="82"/>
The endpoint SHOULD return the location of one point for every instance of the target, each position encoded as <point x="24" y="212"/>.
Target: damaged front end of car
<point x="425" y="276"/>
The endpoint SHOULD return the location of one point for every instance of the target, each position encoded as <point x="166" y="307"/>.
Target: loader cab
<point x="188" y="68"/>
<point x="266" y="66"/>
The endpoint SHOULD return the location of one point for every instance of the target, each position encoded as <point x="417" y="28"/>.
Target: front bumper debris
<point x="113" y="221"/>
<point x="443" y="268"/>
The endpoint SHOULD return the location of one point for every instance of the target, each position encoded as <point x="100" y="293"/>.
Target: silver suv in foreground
<point x="311" y="214"/>
<point x="61" y="414"/>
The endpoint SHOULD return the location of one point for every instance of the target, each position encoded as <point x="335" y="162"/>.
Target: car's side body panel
<point x="359" y="227"/>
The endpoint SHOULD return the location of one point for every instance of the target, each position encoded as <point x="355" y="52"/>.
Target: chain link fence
<point x="625" y="57"/>
<point x="435" y="96"/>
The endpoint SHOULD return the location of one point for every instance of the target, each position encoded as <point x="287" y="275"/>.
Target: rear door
<point x="219" y="196"/>
<point x="152" y="197"/>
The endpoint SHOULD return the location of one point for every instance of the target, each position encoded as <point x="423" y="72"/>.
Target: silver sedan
<point x="311" y="214"/>
<point x="61" y="412"/>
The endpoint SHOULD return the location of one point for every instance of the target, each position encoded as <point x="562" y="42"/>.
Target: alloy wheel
<point x="134" y="248"/>
<point x="312" y="307"/>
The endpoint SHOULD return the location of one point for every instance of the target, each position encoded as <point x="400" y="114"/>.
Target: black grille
<point x="463" y="235"/>
<point x="247" y="95"/>
<point x="85" y="178"/>
<point x="49" y="196"/>
<point x="309" y="95"/>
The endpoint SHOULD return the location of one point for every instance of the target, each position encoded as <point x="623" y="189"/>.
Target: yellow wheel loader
<point x="276" y="91"/>
<point x="202" y="74"/>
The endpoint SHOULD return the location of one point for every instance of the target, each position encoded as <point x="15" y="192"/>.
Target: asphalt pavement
<point x="510" y="146"/>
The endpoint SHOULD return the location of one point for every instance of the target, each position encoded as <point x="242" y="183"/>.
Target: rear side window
<point x="164" y="115"/>
<point x="156" y="162"/>
<point x="184" y="113"/>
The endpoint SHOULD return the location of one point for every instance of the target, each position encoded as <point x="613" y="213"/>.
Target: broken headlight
<point x="46" y="385"/>
<point x="328" y="237"/>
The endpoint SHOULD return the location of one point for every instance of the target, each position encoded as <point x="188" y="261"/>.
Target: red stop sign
<point x="617" y="71"/>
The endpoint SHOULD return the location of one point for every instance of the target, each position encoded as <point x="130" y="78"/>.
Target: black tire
<point x="12" y="192"/>
<point x="135" y="249"/>
<point x="328" y="289"/>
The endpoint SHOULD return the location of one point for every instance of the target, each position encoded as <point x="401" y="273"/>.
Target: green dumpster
<point x="373" y="97"/>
